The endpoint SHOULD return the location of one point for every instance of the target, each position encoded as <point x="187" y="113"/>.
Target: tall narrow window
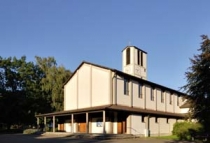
<point x="152" y="94"/>
<point x="126" y="86"/>
<point x="162" y="96"/>
<point x="170" y="98"/>
<point x="140" y="91"/>
<point x="138" y="57"/>
<point x="128" y="56"/>
<point x="177" y="100"/>
<point x="141" y="58"/>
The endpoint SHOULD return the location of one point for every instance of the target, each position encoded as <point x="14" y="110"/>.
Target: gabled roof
<point x="127" y="76"/>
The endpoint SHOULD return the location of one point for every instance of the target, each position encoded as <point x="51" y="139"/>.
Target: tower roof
<point x="135" y="48"/>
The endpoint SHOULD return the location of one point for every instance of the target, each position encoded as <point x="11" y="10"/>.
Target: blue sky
<point x="97" y="30"/>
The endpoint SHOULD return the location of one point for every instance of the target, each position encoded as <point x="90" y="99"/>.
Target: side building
<point x="99" y="99"/>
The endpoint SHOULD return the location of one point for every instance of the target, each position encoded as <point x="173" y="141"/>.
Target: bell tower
<point x="134" y="62"/>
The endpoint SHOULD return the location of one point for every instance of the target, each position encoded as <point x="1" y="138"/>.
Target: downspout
<point x="114" y="88"/>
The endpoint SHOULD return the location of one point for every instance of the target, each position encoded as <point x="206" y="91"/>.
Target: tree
<point x="198" y="84"/>
<point x="52" y="81"/>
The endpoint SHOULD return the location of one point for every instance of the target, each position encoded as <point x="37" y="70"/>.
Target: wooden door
<point x="62" y="127"/>
<point x="82" y="127"/>
<point x="119" y="128"/>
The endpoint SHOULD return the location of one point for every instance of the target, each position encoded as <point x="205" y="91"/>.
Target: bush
<point x="31" y="131"/>
<point x="184" y="130"/>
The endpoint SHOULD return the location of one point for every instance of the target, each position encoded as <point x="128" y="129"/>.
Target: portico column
<point x="45" y="123"/>
<point x="53" y="123"/>
<point x="87" y="123"/>
<point x="104" y="122"/>
<point x="72" y="123"/>
<point x="37" y="122"/>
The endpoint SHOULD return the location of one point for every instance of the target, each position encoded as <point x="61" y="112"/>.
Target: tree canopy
<point x="28" y="88"/>
<point x="198" y="83"/>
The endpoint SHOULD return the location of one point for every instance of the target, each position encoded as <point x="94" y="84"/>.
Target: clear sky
<point x="97" y="30"/>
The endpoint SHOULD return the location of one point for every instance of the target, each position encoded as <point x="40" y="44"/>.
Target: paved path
<point x="20" y="138"/>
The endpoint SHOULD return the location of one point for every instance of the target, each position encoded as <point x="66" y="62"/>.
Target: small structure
<point x="98" y="99"/>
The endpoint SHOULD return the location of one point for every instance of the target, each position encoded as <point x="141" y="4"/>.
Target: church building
<point x="99" y="99"/>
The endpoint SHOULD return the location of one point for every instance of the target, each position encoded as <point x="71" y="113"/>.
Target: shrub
<point x="184" y="130"/>
<point x="31" y="131"/>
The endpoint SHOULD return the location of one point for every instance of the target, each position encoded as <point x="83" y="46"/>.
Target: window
<point x="142" y="119"/>
<point x="152" y="94"/>
<point x="156" y="119"/>
<point x="177" y="100"/>
<point x="138" y="57"/>
<point x="140" y="91"/>
<point x="162" y="96"/>
<point x="126" y="86"/>
<point x="128" y="56"/>
<point x="170" y="98"/>
<point x="141" y="58"/>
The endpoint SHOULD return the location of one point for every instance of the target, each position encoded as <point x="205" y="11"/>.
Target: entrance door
<point x="121" y="127"/>
<point x="62" y="127"/>
<point x="82" y="127"/>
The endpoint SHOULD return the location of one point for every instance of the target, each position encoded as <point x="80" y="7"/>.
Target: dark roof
<point x="113" y="107"/>
<point x="129" y="76"/>
<point x="135" y="48"/>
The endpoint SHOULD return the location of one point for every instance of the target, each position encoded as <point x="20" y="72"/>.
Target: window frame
<point x="128" y="53"/>
<point x="152" y="96"/>
<point x="170" y="98"/>
<point x="162" y="96"/>
<point x="126" y="86"/>
<point x="140" y="90"/>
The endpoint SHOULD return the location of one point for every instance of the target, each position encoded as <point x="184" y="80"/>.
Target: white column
<point x="87" y="123"/>
<point x="53" y="123"/>
<point x="104" y="122"/>
<point x="72" y="123"/>
<point x="37" y="122"/>
<point x="45" y="123"/>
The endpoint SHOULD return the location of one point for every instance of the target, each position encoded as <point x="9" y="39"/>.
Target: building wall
<point x="121" y="98"/>
<point x="150" y="104"/>
<point x="136" y="125"/>
<point x="163" y="126"/>
<point x="160" y="104"/>
<point x="90" y="86"/>
<point x="70" y="93"/>
<point x="169" y="103"/>
<point x="95" y="128"/>
<point x="137" y="101"/>
<point x="153" y="126"/>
